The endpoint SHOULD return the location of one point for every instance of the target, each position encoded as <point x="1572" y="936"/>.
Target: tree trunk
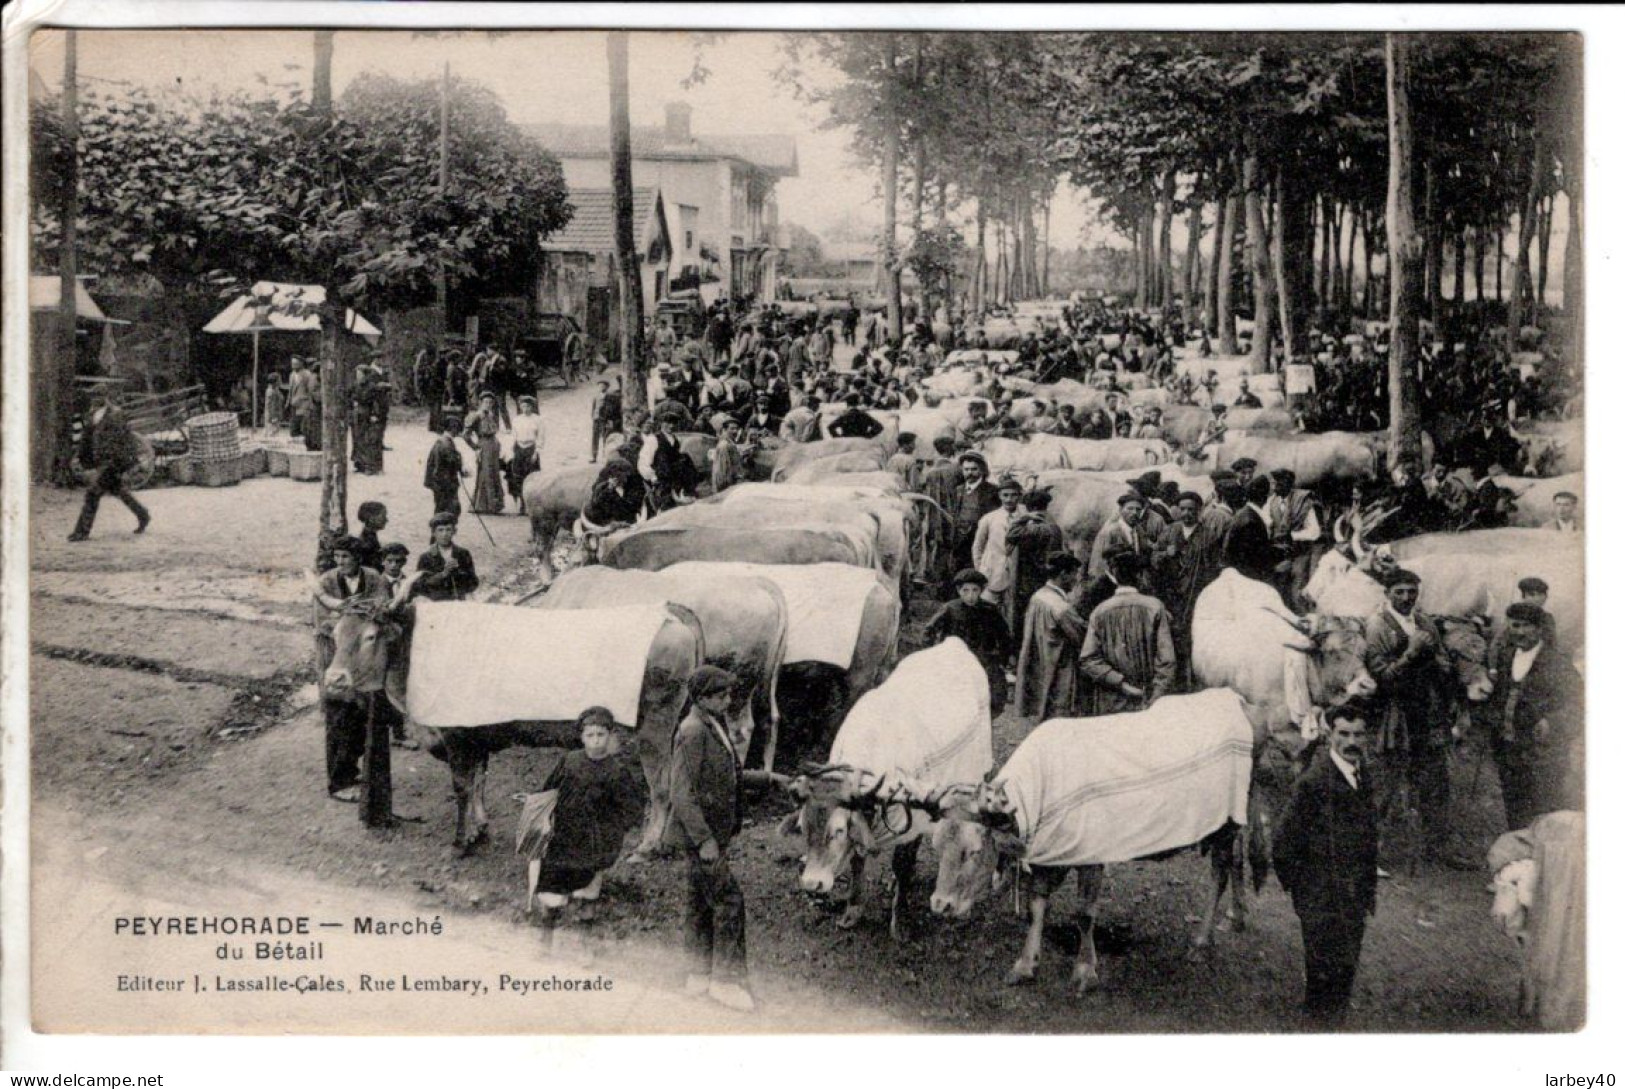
<point x="1545" y="251"/>
<point x="1044" y="284"/>
<point x="1431" y="242"/>
<point x="1526" y="230"/>
<point x="335" y="372"/>
<point x="978" y="285"/>
<point x="1460" y="288"/>
<point x="1148" y="260"/>
<point x="1478" y="264"/>
<point x="1574" y="256"/>
<point x="1224" y="287"/>
<point x="1210" y="289"/>
<point x="1293" y="255"/>
<point x="1500" y="261"/>
<point x="1404" y="256"/>
<point x="627" y="264"/>
<point x="888" y="173"/>
<point x="1165" y="241"/>
<point x="1368" y="291"/>
<point x="54" y="435"/>
<point x="1323" y="273"/>
<point x="1193" y="262"/>
<point x="1352" y="218"/>
<point x="1258" y="256"/>
<point x="440" y="293"/>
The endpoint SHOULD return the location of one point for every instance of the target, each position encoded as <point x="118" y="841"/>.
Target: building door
<point x="600" y="306"/>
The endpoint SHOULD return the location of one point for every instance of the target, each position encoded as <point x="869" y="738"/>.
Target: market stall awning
<point x="289" y="309"/>
<point x="45" y="293"/>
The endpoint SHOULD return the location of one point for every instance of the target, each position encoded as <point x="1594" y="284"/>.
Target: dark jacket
<point x="1326" y="842"/>
<point x="1249" y="549"/>
<point x="1550" y="691"/>
<point x="108" y="443"/>
<point x="444" y="467"/>
<point x="854" y="423"/>
<point x="1416" y="695"/>
<point x="971" y="506"/>
<point x="438" y="584"/>
<point x="704" y="786"/>
<point x="599" y="802"/>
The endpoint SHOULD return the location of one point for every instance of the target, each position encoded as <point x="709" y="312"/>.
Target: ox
<point x="878" y="532"/>
<point x="1331" y="455"/>
<point x="1079" y="794"/>
<point x="835" y="466"/>
<point x="745" y="620"/>
<point x="654" y="547"/>
<point x="1184" y="424"/>
<point x="841" y="643"/>
<point x="368" y="658"/>
<point x="1536" y="498"/>
<point x="788" y="458"/>
<point x="1040" y="452"/>
<point x="928" y="726"/>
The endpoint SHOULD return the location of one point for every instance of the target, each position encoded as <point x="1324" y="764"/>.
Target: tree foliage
<point x="238" y="188"/>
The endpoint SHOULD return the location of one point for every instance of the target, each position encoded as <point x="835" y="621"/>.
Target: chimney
<point x="677" y="118"/>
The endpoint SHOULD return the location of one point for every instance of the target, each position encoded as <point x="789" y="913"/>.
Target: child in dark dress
<point x="600" y="800"/>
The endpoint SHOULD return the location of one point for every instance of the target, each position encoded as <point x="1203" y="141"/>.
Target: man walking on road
<point x="107" y="450"/>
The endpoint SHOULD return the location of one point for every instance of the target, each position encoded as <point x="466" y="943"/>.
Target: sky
<point x="540" y="76"/>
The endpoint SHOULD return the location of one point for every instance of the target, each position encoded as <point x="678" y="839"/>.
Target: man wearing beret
<point x="445" y="569"/>
<point x="1406" y="656"/>
<point x="1535" y="718"/>
<point x="705" y="815"/>
<point x="1125" y="533"/>
<point x="345" y="721"/>
<point x="977" y="496"/>
<point x="981" y="625"/>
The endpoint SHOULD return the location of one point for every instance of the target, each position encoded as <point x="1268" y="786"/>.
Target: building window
<point x="688" y="241"/>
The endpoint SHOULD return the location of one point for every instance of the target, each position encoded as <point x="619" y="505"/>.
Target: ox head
<point x="1469" y="651"/>
<point x="1333" y="648"/>
<point x="1544" y="455"/>
<point x="976" y="843"/>
<point x="839" y="808"/>
<point x="364" y="639"/>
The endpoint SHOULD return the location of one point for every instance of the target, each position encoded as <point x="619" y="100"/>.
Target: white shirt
<point x="1349" y="771"/>
<point x="527" y="431"/>
<point x="1406" y="624"/>
<point x="1523" y="661"/>
<point x="1565" y="527"/>
<point x="988" y="551"/>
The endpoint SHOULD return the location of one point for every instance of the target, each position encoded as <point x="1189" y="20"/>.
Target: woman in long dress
<point x="481" y="435"/>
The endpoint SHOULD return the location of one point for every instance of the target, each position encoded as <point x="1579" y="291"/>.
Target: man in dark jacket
<point x="854" y="423"/>
<point x="1326" y="858"/>
<point x="443" y="470"/>
<point x="1249" y="546"/>
<point x="982" y="627"/>
<point x="1534" y="715"/>
<point x="705" y="814"/>
<point x="107" y="450"/>
<point x="977" y="496"/>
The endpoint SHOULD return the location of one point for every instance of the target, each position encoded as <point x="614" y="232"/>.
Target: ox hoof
<point x="640" y="857"/>
<point x="1201" y="952"/>
<point x="1084" y="980"/>
<point x="1235" y="924"/>
<point x="849" y="918"/>
<point x="1019" y="976"/>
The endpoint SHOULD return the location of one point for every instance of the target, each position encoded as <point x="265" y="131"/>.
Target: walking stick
<point x="470" y="497"/>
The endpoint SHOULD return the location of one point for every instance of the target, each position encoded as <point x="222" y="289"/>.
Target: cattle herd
<point x="801" y="582"/>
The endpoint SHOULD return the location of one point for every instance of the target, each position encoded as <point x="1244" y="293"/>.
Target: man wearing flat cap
<point x="1244" y="468"/>
<point x="1405" y="654"/>
<point x="1125" y="533"/>
<point x="446" y="569"/>
<point x="981" y="625"/>
<point x="1295" y="525"/>
<point x="1534" y="715"/>
<point x="345" y="721"/>
<point x="977" y="496"/>
<point x="1053" y="632"/>
<point x="706" y="767"/>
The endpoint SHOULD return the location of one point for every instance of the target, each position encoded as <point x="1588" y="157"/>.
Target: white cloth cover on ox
<point x="477" y="665"/>
<point x="826" y="603"/>
<point x="930" y="722"/>
<point x="1091" y="791"/>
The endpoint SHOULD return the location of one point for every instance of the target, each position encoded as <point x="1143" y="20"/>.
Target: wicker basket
<point x="213" y="437"/>
<point x="276" y="461"/>
<point x="304" y="464"/>
<point x="253" y="462"/>
<point x="217" y="474"/>
<point x="180" y="470"/>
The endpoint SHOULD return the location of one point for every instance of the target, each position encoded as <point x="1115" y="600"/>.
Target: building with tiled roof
<point x="718" y="194"/>
<point x="577" y="275"/>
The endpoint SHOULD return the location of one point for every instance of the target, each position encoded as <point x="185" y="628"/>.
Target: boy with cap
<point x="981" y="626"/>
<point x="446" y="569"/>
<point x="705" y="815"/>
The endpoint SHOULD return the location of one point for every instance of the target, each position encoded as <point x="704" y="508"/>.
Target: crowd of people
<point x="1057" y="635"/>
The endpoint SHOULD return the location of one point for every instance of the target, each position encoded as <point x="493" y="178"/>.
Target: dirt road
<point x="177" y="769"/>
